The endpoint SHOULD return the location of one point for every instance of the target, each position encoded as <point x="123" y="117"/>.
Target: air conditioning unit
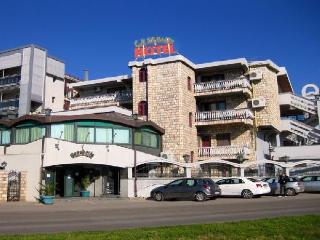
<point x="97" y="89"/>
<point x="258" y="102"/>
<point x="167" y="155"/>
<point x="255" y="76"/>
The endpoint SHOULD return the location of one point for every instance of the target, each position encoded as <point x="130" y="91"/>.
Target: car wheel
<point x="158" y="196"/>
<point x="246" y="193"/>
<point x="290" y="192"/>
<point x="200" y="197"/>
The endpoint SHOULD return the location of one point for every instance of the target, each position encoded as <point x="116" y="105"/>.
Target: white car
<point x="244" y="187"/>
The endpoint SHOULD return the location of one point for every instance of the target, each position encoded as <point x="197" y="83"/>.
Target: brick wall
<point x="3" y="185"/>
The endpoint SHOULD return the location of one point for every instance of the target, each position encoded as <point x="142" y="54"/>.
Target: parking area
<point x="106" y="214"/>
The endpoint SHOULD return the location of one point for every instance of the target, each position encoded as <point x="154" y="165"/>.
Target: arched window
<point x="143" y="108"/>
<point x="143" y="75"/>
<point x="189" y="84"/>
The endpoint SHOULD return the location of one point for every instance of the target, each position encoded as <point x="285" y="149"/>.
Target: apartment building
<point x="30" y="81"/>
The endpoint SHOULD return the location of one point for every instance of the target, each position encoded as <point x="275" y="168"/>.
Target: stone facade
<point x="3" y="186"/>
<point x="170" y="104"/>
<point x="267" y="87"/>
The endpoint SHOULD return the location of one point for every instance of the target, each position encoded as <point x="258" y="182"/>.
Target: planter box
<point x="47" y="200"/>
<point x="85" y="193"/>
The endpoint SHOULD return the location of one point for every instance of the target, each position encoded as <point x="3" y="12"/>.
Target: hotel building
<point x="169" y="118"/>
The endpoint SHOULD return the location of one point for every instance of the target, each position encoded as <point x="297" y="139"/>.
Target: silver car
<point x="293" y="187"/>
<point x="311" y="183"/>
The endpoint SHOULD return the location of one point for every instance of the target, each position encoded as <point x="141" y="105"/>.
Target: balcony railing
<point x="226" y="151"/>
<point x="224" y="115"/>
<point x="119" y="96"/>
<point x="9" y="104"/>
<point x="221" y="85"/>
<point x="12" y="80"/>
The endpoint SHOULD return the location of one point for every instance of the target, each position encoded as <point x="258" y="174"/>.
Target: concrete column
<point x="188" y="172"/>
<point x="278" y="140"/>
<point x="241" y="172"/>
<point x="287" y="169"/>
<point x="129" y="173"/>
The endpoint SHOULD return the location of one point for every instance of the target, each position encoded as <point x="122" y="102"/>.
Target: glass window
<point x="22" y="135"/>
<point x="69" y="132"/>
<point x="103" y="135"/>
<point x="85" y="135"/>
<point x="149" y="139"/>
<point x="57" y="131"/>
<point x="37" y="133"/>
<point x="307" y="179"/>
<point x="5" y="136"/>
<point x="190" y="182"/>
<point x="138" y="138"/>
<point x="121" y="136"/>
<point x="176" y="182"/>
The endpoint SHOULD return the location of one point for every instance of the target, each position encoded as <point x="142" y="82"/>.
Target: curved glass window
<point x="5" y="136"/>
<point x="146" y="139"/>
<point x="30" y="134"/>
<point x="63" y="131"/>
<point x="104" y="135"/>
<point x="121" y="136"/>
<point x="85" y="134"/>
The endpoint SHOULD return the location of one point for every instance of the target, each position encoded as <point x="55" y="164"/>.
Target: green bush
<point x="85" y="182"/>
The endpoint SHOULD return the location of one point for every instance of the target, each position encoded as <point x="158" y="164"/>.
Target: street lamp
<point x="3" y="165"/>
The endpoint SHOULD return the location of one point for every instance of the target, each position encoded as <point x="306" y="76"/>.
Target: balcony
<point x="11" y="81"/>
<point x="298" y="102"/>
<point x="223" y="152"/>
<point x="11" y="104"/>
<point x="224" y="117"/>
<point x="105" y="100"/>
<point x="239" y="85"/>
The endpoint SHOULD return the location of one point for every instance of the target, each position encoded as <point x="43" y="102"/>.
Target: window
<point x="104" y="135"/>
<point x="143" y="75"/>
<point x="143" y="108"/>
<point x="63" y="131"/>
<point x="52" y="99"/>
<point x="206" y="141"/>
<point x="223" y="139"/>
<point x="190" y="119"/>
<point x="236" y="181"/>
<point x="307" y="179"/>
<point x="189" y="84"/>
<point x="213" y="106"/>
<point x="121" y="136"/>
<point x="191" y="156"/>
<point x="176" y="182"/>
<point x="5" y="136"/>
<point x="214" y="77"/>
<point x="26" y="135"/>
<point x="146" y="139"/>
<point x="85" y="134"/>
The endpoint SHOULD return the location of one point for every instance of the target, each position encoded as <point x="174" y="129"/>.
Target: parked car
<point x="244" y="187"/>
<point x="311" y="183"/>
<point x="292" y="188"/>
<point x="199" y="189"/>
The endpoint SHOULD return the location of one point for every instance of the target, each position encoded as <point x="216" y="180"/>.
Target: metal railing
<point x="11" y="80"/>
<point x="221" y="85"/>
<point x="298" y="102"/>
<point x="231" y="151"/>
<point x="224" y="115"/>
<point x="9" y="104"/>
<point x="118" y="96"/>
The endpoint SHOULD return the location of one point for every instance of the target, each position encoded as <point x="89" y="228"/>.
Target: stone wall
<point x="267" y="88"/>
<point x="169" y="104"/>
<point x="3" y="185"/>
<point x="240" y="135"/>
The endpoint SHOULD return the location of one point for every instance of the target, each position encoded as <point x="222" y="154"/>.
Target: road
<point x="109" y="214"/>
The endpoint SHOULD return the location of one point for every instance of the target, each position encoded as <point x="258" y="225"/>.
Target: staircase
<point x="298" y="102"/>
<point x="312" y="135"/>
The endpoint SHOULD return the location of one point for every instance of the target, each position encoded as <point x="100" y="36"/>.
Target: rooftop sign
<point x="153" y="46"/>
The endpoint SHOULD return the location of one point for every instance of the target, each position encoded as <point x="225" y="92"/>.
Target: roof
<point x="115" y="79"/>
<point x="238" y="62"/>
<point x="110" y="117"/>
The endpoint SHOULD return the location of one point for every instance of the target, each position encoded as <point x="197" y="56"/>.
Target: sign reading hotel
<point x="153" y="46"/>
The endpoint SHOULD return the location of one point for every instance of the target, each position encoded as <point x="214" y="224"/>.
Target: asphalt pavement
<point x="108" y="214"/>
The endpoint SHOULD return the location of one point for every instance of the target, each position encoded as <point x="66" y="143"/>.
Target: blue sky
<point x="99" y="35"/>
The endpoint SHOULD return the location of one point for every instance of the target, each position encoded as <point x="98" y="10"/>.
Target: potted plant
<point x="47" y="193"/>
<point x="85" y="183"/>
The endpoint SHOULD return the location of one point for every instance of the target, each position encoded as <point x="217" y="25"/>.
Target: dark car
<point x="199" y="189"/>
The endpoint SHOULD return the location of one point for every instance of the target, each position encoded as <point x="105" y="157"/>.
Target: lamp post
<point x="3" y="165"/>
<point x="135" y="118"/>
